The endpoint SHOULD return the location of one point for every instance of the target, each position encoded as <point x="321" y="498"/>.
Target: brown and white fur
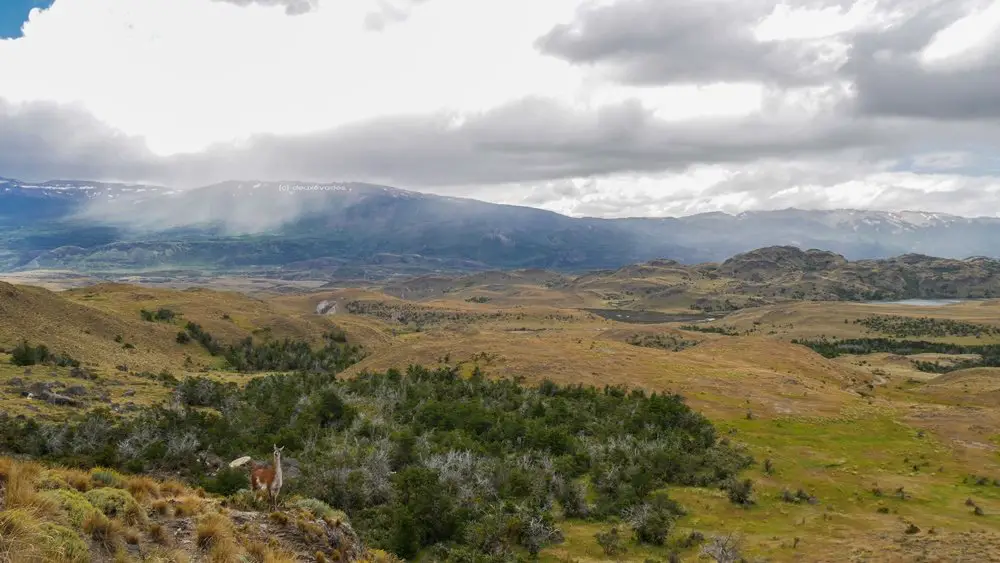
<point x="264" y="478"/>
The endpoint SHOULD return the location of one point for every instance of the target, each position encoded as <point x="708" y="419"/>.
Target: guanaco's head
<point x="277" y="452"/>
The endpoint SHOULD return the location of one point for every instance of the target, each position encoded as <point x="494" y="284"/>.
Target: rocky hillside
<point x="766" y="275"/>
<point x="73" y="516"/>
<point x="815" y="274"/>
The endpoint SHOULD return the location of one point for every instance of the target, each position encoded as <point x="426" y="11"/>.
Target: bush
<point x="21" y="533"/>
<point x="740" y="492"/>
<point x="611" y="542"/>
<point x="117" y="503"/>
<point x="724" y="549"/>
<point x="25" y="354"/>
<point x="652" y="521"/>
<point x="62" y="544"/>
<point x="165" y="315"/>
<point x="226" y="482"/>
<point x="73" y="503"/>
<point x="693" y="539"/>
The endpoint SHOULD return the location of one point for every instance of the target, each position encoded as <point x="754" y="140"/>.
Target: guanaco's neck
<point x="277" y="470"/>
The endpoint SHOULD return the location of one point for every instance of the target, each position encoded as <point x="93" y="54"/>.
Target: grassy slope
<point x="52" y="514"/>
<point x="821" y="434"/>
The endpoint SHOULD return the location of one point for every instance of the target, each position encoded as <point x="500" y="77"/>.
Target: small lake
<point x="922" y="302"/>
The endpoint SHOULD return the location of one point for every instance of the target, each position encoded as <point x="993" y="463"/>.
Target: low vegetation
<point x="723" y="330"/>
<point x="925" y="327"/>
<point x="662" y="341"/>
<point x="988" y="354"/>
<point x="24" y="354"/>
<point x="465" y="468"/>
<point x="278" y="355"/>
<point x="160" y="315"/>
<point x="58" y="514"/>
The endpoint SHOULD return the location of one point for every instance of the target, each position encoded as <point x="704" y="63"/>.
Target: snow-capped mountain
<point x="86" y="225"/>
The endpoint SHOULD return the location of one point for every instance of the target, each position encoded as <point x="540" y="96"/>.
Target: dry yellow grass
<point x="44" y="520"/>
<point x="187" y="506"/>
<point x="143" y="488"/>
<point x="106" y="532"/>
<point x="816" y="319"/>
<point x="807" y="414"/>
<point x="173" y="488"/>
<point x="719" y="376"/>
<point x="214" y="534"/>
<point x="85" y="322"/>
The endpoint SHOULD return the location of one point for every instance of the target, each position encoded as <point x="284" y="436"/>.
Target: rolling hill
<point x="882" y="452"/>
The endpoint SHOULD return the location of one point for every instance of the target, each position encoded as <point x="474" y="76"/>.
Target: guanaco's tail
<point x="241" y="461"/>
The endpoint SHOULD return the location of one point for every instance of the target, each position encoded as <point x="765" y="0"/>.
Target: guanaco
<point x="264" y="478"/>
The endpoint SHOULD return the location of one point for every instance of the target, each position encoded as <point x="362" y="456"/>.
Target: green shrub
<point x="320" y="509"/>
<point x="74" y="504"/>
<point x="611" y="542"/>
<point x="226" y="482"/>
<point x="117" y="503"/>
<point x="25" y="354"/>
<point x="63" y="545"/>
<point x="740" y="492"/>
<point x="652" y="521"/>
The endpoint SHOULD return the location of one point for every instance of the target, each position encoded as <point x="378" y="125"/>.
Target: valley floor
<point x="858" y="457"/>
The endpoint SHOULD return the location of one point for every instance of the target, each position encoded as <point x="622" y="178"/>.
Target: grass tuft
<point x="159" y="534"/>
<point x="161" y="507"/>
<point x="214" y="533"/>
<point x="187" y="506"/>
<point x="105" y="532"/>
<point x="143" y="489"/>
<point x="260" y="552"/>
<point x="173" y="488"/>
<point x="213" y="529"/>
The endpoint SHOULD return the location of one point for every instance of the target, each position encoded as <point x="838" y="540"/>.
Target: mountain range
<point x="346" y="229"/>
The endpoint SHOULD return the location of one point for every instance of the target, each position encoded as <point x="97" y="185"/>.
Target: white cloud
<point x="208" y="77"/>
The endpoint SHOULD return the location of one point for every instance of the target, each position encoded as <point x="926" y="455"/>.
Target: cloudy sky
<point x="602" y="108"/>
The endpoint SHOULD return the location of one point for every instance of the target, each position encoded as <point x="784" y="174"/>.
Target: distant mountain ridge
<point x="344" y="228"/>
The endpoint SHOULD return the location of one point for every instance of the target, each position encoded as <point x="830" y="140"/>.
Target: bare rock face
<point x="60" y="400"/>
<point x="290" y="467"/>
